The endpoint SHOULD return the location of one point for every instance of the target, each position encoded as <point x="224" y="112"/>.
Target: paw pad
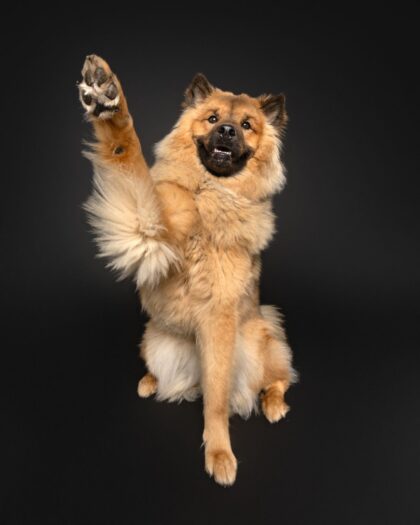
<point x="99" y="89"/>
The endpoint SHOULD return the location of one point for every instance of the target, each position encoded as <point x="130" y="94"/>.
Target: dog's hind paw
<point x="147" y="385"/>
<point x="273" y="405"/>
<point x="99" y="89"/>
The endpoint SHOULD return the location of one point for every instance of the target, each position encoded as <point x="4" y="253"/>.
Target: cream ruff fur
<point x="124" y="213"/>
<point x="191" y="242"/>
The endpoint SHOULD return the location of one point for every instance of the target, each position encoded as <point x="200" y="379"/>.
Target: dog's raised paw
<point x="222" y="465"/>
<point x="99" y="89"/>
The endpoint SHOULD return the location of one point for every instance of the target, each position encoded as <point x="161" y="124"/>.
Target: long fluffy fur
<point x="125" y="215"/>
<point x="191" y="241"/>
<point x="175" y="360"/>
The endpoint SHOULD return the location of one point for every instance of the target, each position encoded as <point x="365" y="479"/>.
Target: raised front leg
<point x="124" y="209"/>
<point x="217" y="343"/>
<point x="103" y="99"/>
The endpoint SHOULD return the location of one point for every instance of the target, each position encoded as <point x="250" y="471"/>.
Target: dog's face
<point x="229" y="130"/>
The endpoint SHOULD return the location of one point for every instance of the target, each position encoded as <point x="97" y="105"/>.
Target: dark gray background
<point x="79" y="445"/>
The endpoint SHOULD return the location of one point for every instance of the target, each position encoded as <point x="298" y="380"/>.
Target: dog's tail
<point x="125" y="214"/>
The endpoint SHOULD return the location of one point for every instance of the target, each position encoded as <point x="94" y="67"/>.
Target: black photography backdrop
<point x="79" y="446"/>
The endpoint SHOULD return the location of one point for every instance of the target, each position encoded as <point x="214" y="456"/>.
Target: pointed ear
<point x="274" y="108"/>
<point x="199" y="89"/>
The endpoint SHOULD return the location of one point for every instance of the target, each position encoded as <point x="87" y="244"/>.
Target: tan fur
<point x="147" y="385"/>
<point x="192" y="242"/>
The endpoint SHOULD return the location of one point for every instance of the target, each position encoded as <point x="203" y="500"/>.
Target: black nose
<point x="226" y="131"/>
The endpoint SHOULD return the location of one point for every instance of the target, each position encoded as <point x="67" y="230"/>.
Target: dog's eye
<point x="246" y="124"/>
<point x="212" y="119"/>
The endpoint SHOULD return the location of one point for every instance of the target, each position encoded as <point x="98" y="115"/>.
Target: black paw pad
<point x="100" y="76"/>
<point x="87" y="99"/>
<point x="88" y="78"/>
<point x="112" y="91"/>
<point x="101" y="108"/>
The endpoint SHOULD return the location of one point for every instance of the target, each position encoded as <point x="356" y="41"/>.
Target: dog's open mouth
<point x="221" y="159"/>
<point x="222" y="153"/>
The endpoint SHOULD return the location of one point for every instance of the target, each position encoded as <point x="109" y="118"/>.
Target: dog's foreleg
<point x="124" y="208"/>
<point x="217" y="342"/>
<point x="106" y="108"/>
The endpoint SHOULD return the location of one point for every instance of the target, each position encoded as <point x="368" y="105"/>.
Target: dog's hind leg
<point x="263" y="364"/>
<point x="173" y="366"/>
<point x="147" y="385"/>
<point x="278" y="370"/>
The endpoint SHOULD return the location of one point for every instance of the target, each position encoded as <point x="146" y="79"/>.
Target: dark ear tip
<point x="200" y="78"/>
<point x="282" y="101"/>
<point x="274" y="107"/>
<point x="199" y="89"/>
<point x="268" y="99"/>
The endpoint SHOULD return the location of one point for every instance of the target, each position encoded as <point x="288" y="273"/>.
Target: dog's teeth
<point x="223" y="152"/>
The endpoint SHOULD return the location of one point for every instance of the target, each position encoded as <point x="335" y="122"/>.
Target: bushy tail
<point x="124" y="212"/>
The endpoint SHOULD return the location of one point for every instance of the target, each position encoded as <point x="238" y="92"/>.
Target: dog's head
<point x="228" y="129"/>
<point x="234" y="138"/>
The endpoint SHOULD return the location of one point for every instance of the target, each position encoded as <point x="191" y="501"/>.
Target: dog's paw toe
<point x="222" y="465"/>
<point x="274" y="406"/>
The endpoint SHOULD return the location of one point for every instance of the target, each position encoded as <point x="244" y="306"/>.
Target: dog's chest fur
<point x="219" y="255"/>
<point x="222" y="234"/>
<point x="228" y="220"/>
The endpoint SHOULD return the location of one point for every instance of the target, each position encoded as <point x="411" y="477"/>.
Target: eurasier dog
<point x="190" y="231"/>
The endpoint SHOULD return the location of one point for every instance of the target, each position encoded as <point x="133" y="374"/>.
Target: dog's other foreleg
<point x="106" y="108"/>
<point x="124" y="208"/>
<point x="217" y="342"/>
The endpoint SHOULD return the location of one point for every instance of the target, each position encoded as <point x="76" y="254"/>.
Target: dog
<point x="190" y="231"/>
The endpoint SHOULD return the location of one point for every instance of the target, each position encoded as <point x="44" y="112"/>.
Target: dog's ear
<point x="199" y="89"/>
<point x="274" y="108"/>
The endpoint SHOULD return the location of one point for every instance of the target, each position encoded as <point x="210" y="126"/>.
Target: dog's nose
<point x="226" y="131"/>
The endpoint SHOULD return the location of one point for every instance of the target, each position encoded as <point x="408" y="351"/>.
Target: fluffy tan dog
<point x="190" y="231"/>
